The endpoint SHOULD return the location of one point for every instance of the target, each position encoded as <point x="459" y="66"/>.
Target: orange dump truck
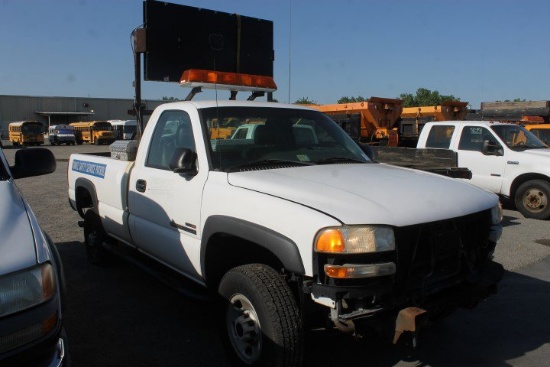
<point x="414" y="118"/>
<point x="373" y="121"/>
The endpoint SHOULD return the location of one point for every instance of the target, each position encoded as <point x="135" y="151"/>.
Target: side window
<point x="241" y="133"/>
<point x="173" y="130"/>
<point x="472" y="138"/>
<point x="440" y="137"/>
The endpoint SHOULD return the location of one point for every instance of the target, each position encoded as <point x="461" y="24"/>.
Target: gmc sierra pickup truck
<point x="288" y="222"/>
<point x="504" y="158"/>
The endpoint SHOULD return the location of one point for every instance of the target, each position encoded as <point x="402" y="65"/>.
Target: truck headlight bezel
<point x="497" y="214"/>
<point x="355" y="239"/>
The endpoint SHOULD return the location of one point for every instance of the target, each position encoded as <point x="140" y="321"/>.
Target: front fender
<point x="281" y="246"/>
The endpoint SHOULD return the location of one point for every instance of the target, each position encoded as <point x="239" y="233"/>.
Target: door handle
<point x="141" y="185"/>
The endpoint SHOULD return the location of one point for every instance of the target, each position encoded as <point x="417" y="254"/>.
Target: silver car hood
<point x="17" y="243"/>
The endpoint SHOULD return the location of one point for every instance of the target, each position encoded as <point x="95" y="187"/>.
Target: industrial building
<point x="63" y="110"/>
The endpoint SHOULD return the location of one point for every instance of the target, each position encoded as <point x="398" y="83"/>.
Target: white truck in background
<point x="285" y="223"/>
<point x="504" y="158"/>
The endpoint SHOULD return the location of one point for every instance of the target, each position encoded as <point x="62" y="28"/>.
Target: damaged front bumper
<point x="354" y="309"/>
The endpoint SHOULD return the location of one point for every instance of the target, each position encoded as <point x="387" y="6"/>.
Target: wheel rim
<point x="535" y="200"/>
<point x="244" y="328"/>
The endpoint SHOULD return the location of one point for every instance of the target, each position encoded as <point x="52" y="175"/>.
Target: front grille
<point x="434" y="256"/>
<point x="430" y="258"/>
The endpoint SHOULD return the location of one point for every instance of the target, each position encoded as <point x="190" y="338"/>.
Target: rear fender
<point x="82" y="200"/>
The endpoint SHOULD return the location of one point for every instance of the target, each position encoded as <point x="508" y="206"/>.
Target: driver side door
<point x="487" y="170"/>
<point x="165" y="205"/>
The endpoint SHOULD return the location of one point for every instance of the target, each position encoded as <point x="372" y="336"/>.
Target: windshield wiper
<point x="339" y="160"/>
<point x="267" y="163"/>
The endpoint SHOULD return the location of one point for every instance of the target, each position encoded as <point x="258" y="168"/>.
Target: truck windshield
<point x="243" y="138"/>
<point x="516" y="137"/>
<point x="65" y="131"/>
<point x="32" y="128"/>
<point x="102" y="126"/>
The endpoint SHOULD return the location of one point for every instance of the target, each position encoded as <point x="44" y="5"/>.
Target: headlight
<point x="355" y="239"/>
<point x="497" y="214"/>
<point x="26" y="289"/>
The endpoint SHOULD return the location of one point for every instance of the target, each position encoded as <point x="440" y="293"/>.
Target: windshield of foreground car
<point x="3" y="170"/>
<point x="243" y="138"/>
<point x="516" y="137"/>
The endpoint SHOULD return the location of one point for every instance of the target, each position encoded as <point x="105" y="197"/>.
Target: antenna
<point x="289" y="44"/>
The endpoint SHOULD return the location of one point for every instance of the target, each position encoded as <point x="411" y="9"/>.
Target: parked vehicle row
<point x="27" y="133"/>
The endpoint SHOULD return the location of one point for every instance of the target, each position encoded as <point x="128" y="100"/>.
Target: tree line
<point x="422" y="97"/>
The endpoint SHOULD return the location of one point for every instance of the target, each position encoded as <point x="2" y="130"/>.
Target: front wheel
<point x="259" y="318"/>
<point x="532" y="199"/>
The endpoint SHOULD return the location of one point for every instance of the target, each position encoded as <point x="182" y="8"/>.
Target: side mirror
<point x="491" y="148"/>
<point x="33" y="162"/>
<point x="367" y="150"/>
<point x="183" y="161"/>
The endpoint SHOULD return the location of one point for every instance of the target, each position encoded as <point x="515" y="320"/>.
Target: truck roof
<point x="478" y="122"/>
<point x="231" y="103"/>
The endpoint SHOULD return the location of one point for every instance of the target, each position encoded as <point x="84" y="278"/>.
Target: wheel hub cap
<point x="244" y="328"/>
<point x="535" y="200"/>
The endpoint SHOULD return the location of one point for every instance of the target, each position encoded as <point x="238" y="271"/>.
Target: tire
<point x="94" y="236"/>
<point x="533" y="199"/>
<point x="259" y="319"/>
<point x="79" y="142"/>
<point x="97" y="142"/>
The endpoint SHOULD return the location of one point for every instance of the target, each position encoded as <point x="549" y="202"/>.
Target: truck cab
<point x="504" y="158"/>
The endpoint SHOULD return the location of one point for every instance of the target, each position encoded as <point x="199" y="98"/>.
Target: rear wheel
<point x="533" y="199"/>
<point x="94" y="236"/>
<point x="259" y="318"/>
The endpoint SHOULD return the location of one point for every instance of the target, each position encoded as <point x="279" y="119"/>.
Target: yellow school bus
<point x="94" y="132"/>
<point x="26" y="133"/>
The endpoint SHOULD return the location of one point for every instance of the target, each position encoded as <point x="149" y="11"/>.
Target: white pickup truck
<point x="288" y="222"/>
<point x="504" y="158"/>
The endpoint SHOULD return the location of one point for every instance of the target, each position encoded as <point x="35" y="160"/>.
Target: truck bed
<point x="441" y="161"/>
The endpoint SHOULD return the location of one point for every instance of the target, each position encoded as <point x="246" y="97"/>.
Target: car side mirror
<point x="366" y="149"/>
<point x="491" y="148"/>
<point x="33" y="162"/>
<point x="183" y="161"/>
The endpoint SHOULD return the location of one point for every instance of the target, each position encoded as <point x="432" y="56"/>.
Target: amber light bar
<point x="224" y="80"/>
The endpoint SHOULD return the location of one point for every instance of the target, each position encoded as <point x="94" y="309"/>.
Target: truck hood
<point x="17" y="246"/>
<point x="369" y="193"/>
<point x="536" y="153"/>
